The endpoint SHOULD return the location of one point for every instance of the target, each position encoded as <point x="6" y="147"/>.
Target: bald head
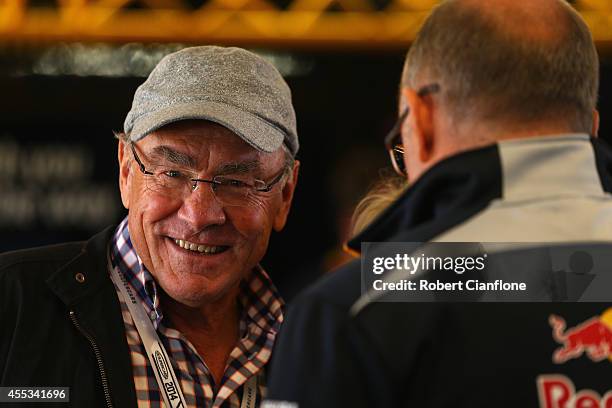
<point x="508" y="62"/>
<point x="533" y="20"/>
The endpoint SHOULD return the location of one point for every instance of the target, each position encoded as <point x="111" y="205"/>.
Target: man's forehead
<point x="228" y="164"/>
<point x="198" y="143"/>
<point x="214" y="158"/>
<point x="194" y="154"/>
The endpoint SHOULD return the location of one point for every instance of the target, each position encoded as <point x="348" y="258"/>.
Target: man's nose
<point x="200" y="207"/>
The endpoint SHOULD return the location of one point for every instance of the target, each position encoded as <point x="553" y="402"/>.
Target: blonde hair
<point x="381" y="196"/>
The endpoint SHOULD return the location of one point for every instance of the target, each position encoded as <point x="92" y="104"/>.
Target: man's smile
<point x="200" y="248"/>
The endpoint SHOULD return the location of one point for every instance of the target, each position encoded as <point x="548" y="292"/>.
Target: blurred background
<point x="69" y="68"/>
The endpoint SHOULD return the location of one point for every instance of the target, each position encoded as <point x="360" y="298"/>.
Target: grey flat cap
<point x="229" y="86"/>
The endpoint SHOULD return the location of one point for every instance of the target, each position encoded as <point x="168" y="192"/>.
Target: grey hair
<point x="289" y="160"/>
<point x="121" y="136"/>
<point x="488" y="72"/>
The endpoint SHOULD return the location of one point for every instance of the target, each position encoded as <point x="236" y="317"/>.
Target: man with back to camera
<point x="497" y="102"/>
<point x="171" y="305"/>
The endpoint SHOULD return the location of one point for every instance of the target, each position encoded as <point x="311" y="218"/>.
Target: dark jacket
<point x="61" y="324"/>
<point x="335" y="350"/>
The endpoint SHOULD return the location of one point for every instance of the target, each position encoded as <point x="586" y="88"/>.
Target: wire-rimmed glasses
<point x="173" y="181"/>
<point x="393" y="140"/>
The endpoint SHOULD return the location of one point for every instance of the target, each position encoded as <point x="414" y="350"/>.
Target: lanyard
<point x="160" y="362"/>
<point x="249" y="395"/>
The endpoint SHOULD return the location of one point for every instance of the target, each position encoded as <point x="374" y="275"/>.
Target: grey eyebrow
<point x="173" y="156"/>
<point x="242" y="167"/>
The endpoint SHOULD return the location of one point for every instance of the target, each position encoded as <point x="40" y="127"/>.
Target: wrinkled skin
<point x="156" y="220"/>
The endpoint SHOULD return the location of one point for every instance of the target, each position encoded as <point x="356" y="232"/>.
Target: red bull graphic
<point x="593" y="338"/>
<point x="558" y="391"/>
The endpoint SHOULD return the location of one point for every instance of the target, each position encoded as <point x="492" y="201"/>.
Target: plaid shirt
<point x="259" y="324"/>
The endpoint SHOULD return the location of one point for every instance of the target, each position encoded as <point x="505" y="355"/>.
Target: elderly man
<point x="496" y="134"/>
<point x="171" y="305"/>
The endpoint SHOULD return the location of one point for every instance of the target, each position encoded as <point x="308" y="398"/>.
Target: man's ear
<point x="124" y="157"/>
<point x="595" y="129"/>
<point x="280" y="218"/>
<point x="420" y="123"/>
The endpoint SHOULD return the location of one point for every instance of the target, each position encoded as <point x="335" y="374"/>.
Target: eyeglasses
<point x="179" y="183"/>
<point x="393" y="140"/>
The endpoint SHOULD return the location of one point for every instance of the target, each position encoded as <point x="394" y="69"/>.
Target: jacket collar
<point x="549" y="166"/>
<point x="96" y="307"/>
<point x="463" y="185"/>
<point x="447" y="193"/>
<point x="91" y="263"/>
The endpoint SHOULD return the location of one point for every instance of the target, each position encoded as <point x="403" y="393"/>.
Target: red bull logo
<point x="558" y="391"/>
<point x="593" y="338"/>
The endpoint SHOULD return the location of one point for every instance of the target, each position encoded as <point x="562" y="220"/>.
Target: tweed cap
<point x="229" y="86"/>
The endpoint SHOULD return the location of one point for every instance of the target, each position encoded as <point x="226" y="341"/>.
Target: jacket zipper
<point x="98" y="355"/>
